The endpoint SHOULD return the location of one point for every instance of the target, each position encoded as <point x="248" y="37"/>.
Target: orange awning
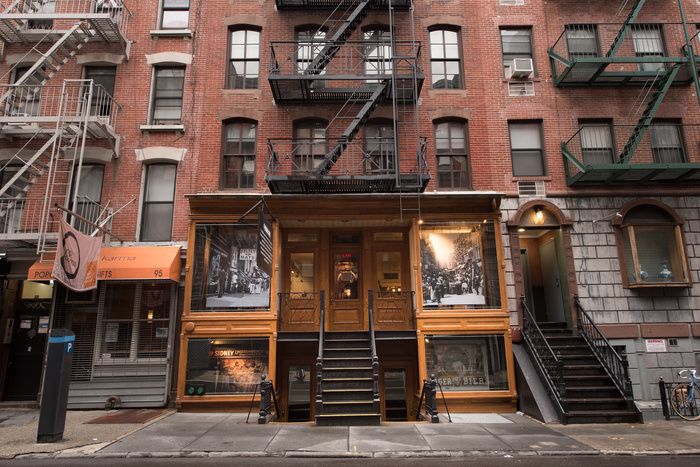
<point x="125" y="263"/>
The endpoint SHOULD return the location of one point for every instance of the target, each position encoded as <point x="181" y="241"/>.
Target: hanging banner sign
<point x="76" y="259"/>
<point x="264" y="259"/>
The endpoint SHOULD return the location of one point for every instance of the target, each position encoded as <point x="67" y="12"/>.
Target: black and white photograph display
<point x="231" y="269"/>
<point x="452" y="266"/>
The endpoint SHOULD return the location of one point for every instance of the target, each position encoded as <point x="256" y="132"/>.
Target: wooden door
<point x="346" y="290"/>
<point x="300" y="303"/>
<point x="393" y="298"/>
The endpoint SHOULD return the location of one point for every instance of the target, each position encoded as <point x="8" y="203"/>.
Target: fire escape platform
<point x="333" y="4"/>
<point x="594" y="71"/>
<point x="106" y="30"/>
<point x="97" y="127"/>
<point x="310" y="184"/>
<point x="300" y="89"/>
<point x="601" y="174"/>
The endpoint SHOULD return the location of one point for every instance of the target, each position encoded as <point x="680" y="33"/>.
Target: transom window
<point x="526" y="148"/>
<point x="452" y="154"/>
<point x="596" y="143"/>
<point x="239" y="154"/>
<point x="244" y="59"/>
<point x="445" y="59"/>
<point x="653" y="253"/>
<point x="167" y="96"/>
<point x="175" y="14"/>
<point x="516" y="43"/>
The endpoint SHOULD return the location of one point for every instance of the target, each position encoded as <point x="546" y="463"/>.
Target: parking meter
<point x="54" y="396"/>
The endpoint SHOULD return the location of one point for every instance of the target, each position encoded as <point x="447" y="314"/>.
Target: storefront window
<point x="226" y="366"/>
<point x="467" y="363"/>
<point x="231" y="268"/>
<point x="459" y="266"/>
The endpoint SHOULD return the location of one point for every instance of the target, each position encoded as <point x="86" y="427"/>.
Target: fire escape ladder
<point x="662" y="87"/>
<point x="31" y="169"/>
<point x="353" y="128"/>
<point x="347" y="27"/>
<point x="51" y="61"/>
<point x="622" y="33"/>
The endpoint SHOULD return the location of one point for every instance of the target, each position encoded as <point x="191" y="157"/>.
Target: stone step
<point x="343" y="407"/>
<point x="575" y="349"/>
<point x="580" y="359"/>
<point x="552" y="325"/>
<point x="340" y="382"/>
<point x="586" y="380"/>
<point x="580" y="370"/>
<point x="605" y="416"/>
<point x="592" y="391"/>
<point x="595" y="404"/>
<point x="347" y="394"/>
<point x="357" y="419"/>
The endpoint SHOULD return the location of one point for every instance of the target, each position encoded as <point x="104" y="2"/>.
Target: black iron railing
<point x="268" y="400"/>
<point x="549" y="363"/>
<point x="375" y="358"/>
<point x="319" y="359"/>
<point x="615" y="365"/>
<point x="428" y="396"/>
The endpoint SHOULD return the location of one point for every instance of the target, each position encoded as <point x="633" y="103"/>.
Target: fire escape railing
<point x="375" y="358"/>
<point x="549" y="364"/>
<point x="319" y="359"/>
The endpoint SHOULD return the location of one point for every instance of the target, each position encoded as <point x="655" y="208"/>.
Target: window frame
<point x="619" y="223"/>
<point x="543" y="155"/>
<point x="532" y="48"/>
<point x="464" y="125"/>
<point x="582" y="27"/>
<point x="307" y="124"/>
<point x="662" y="39"/>
<point x="240" y="155"/>
<point x="163" y="9"/>
<point x="154" y="95"/>
<point x="382" y="159"/>
<point x="376" y="61"/>
<point x="230" y="77"/>
<point x="611" y="132"/>
<point x="145" y="202"/>
<point x="682" y="149"/>
<point x="442" y="28"/>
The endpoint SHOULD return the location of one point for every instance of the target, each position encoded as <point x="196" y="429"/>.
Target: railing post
<point x="664" y="399"/>
<point x="560" y="384"/>
<point x="319" y="359"/>
<point x="431" y="399"/>
<point x="265" y="400"/>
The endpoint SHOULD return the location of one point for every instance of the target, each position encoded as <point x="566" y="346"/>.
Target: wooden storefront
<point x="339" y="253"/>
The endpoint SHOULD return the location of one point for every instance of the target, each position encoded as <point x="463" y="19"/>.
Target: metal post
<point x="431" y="399"/>
<point x="265" y="399"/>
<point x="664" y="399"/>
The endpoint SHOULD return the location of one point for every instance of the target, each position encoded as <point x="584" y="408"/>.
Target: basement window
<point x="651" y="246"/>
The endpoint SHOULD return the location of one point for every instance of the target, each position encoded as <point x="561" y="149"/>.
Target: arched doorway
<point x="543" y="262"/>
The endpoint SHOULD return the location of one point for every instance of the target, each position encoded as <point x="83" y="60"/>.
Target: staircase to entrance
<point x="587" y="379"/>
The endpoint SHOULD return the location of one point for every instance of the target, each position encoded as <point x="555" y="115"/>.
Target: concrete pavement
<point x="227" y="435"/>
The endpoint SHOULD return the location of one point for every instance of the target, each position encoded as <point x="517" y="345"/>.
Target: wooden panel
<point x="393" y="311"/>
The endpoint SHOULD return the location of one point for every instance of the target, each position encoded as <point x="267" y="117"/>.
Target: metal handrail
<point x="549" y="363"/>
<point x="319" y="359"/>
<point x="375" y="358"/>
<point x="616" y="365"/>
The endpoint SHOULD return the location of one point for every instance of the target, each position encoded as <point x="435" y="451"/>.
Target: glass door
<point x="346" y="310"/>
<point x="299" y="393"/>
<point x="396" y="409"/>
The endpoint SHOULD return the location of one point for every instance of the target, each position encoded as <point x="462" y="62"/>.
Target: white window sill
<point x="163" y="128"/>
<point x="171" y="33"/>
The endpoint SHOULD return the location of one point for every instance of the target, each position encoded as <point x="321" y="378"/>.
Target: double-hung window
<point x="596" y="142"/>
<point x="175" y="14"/>
<point x="239" y="154"/>
<point x="582" y="40"/>
<point x="377" y="52"/>
<point x="445" y="59"/>
<point x="25" y="101"/>
<point x="169" y="84"/>
<point x="11" y="222"/>
<point x="667" y="143"/>
<point x="452" y="154"/>
<point x="379" y="147"/>
<point x="516" y="43"/>
<point x="648" y="41"/>
<point x="158" y="203"/>
<point x="89" y="196"/>
<point x="526" y="148"/>
<point x="309" y="45"/>
<point x="309" y="144"/>
<point x="103" y="92"/>
<point x="244" y="59"/>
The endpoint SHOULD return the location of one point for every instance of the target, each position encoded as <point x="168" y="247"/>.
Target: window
<point x="244" y="59"/>
<point x="167" y="96"/>
<point x="526" y="149"/>
<point x="516" y="43"/>
<point x="310" y="43"/>
<point x="309" y="146"/>
<point x="158" y="203"/>
<point x="46" y="7"/>
<point x="89" y="196"/>
<point x="652" y="250"/>
<point x="667" y="143"/>
<point x="25" y="101"/>
<point x="648" y="42"/>
<point x="379" y="147"/>
<point x="136" y="321"/>
<point x="11" y="222"/>
<point x="452" y="154"/>
<point x="103" y="77"/>
<point x="596" y="143"/>
<point x="175" y="14"/>
<point x="582" y="40"/>
<point x="445" y="60"/>
<point x="239" y="154"/>
<point x="377" y="52"/>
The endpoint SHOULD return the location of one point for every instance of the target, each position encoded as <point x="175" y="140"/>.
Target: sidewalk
<point x="227" y="435"/>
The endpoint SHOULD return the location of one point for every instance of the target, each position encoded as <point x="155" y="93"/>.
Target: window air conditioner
<point x="521" y="68"/>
